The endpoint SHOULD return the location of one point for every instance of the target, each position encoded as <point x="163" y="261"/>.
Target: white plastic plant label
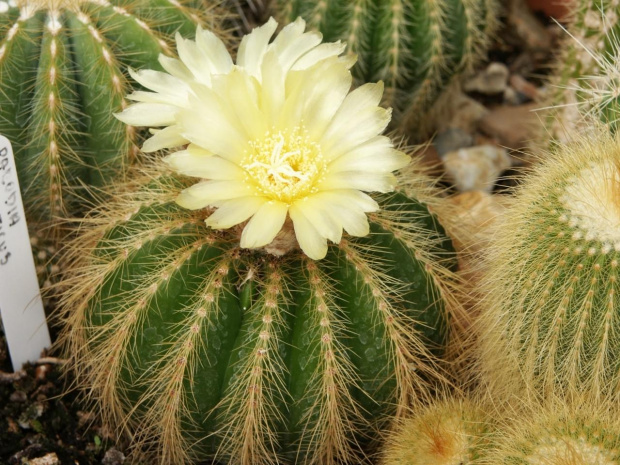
<point x="21" y="308"/>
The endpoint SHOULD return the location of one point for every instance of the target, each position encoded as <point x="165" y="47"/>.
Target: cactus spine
<point x="204" y="349"/>
<point x="552" y="278"/>
<point x="63" y="74"/>
<point x="449" y="432"/>
<point x="415" y="46"/>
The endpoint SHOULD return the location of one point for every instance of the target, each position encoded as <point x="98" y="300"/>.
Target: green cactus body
<point x="63" y="74"/>
<point x="415" y="46"/>
<point x="559" y="434"/>
<point x="585" y="83"/>
<point x="552" y="278"/>
<point x="449" y="432"/>
<point x="204" y="349"/>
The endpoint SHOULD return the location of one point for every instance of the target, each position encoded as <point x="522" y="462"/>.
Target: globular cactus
<point x="585" y="84"/>
<point x="582" y="433"/>
<point x="63" y="72"/>
<point x="449" y="432"/>
<point x="415" y="46"/>
<point x="199" y="324"/>
<point x="551" y="279"/>
<point x="205" y="349"/>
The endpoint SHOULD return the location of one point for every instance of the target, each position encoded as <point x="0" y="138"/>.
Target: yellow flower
<point x="276" y="134"/>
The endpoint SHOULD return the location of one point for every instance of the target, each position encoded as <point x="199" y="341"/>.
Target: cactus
<point x="448" y="432"/>
<point x="551" y="280"/>
<point x="204" y="349"/>
<point x="415" y="46"/>
<point x="585" y="85"/>
<point x="559" y="434"/>
<point x="63" y="73"/>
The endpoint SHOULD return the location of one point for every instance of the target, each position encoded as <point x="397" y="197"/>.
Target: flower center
<point x="284" y="165"/>
<point x="592" y="201"/>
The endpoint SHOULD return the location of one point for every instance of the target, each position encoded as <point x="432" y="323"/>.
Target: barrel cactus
<point x="63" y="73"/>
<point x="448" y="432"/>
<point x="415" y="46"/>
<point x="195" y="320"/>
<point x="583" y="433"/>
<point x="552" y="277"/>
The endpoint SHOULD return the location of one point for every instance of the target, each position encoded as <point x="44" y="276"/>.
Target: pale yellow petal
<point x="361" y="180"/>
<point x="207" y="193"/>
<point x="253" y="46"/>
<point x="358" y="119"/>
<point x="292" y="43"/>
<point x="241" y="91"/>
<point x="313" y="244"/>
<point x="315" y="211"/>
<point x="273" y="89"/>
<point x="235" y="211"/>
<point x="205" y="166"/>
<point x="319" y="53"/>
<point x="148" y="114"/>
<point x="348" y="208"/>
<point x="194" y="59"/>
<point x="172" y="88"/>
<point x="215" y="51"/>
<point x="166" y="138"/>
<point x="176" y="68"/>
<point x="264" y="225"/>
<point x="375" y="155"/>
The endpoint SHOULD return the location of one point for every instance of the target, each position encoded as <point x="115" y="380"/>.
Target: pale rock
<point x="476" y="168"/>
<point x="47" y="459"/>
<point x="492" y="80"/>
<point x="512" y="126"/>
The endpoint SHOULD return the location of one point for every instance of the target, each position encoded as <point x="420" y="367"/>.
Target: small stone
<point x="18" y="396"/>
<point x="524" y="87"/>
<point x="512" y="126"/>
<point x="458" y="111"/>
<point x="113" y="457"/>
<point x="476" y="168"/>
<point x="41" y="372"/>
<point x="452" y="139"/>
<point x="47" y="459"/>
<point x="492" y="80"/>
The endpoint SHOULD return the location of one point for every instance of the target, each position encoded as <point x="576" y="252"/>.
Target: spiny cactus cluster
<point x="551" y="282"/>
<point x="204" y="349"/>
<point x="586" y="84"/>
<point x="415" y="46"/>
<point x="63" y="74"/>
<point x="449" y="432"/>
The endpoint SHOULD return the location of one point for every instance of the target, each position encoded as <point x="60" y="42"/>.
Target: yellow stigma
<point x="592" y="203"/>
<point x="284" y="165"/>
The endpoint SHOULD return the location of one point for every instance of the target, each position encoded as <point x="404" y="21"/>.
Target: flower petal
<point x="360" y="180"/>
<point x="242" y="98"/>
<point x="176" y="68"/>
<point x="214" y="49"/>
<point x="315" y="211"/>
<point x="313" y="244"/>
<point x="292" y="43"/>
<point x="148" y="114"/>
<point x="272" y="90"/>
<point x="376" y="155"/>
<point x="253" y="46"/>
<point x="167" y="86"/>
<point x="204" y="166"/>
<point x="166" y="138"/>
<point x="319" y="53"/>
<point x="357" y="120"/>
<point x="208" y="192"/>
<point x="348" y="207"/>
<point x="235" y="211"/>
<point x="264" y="225"/>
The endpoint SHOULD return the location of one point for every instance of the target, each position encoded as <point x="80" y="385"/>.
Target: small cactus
<point x="415" y="46"/>
<point x="63" y="72"/>
<point x="551" y="280"/>
<point x="449" y="432"/>
<point x="559" y="434"/>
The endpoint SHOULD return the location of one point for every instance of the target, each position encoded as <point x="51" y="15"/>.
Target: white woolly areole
<point x="577" y="451"/>
<point x="592" y="203"/>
